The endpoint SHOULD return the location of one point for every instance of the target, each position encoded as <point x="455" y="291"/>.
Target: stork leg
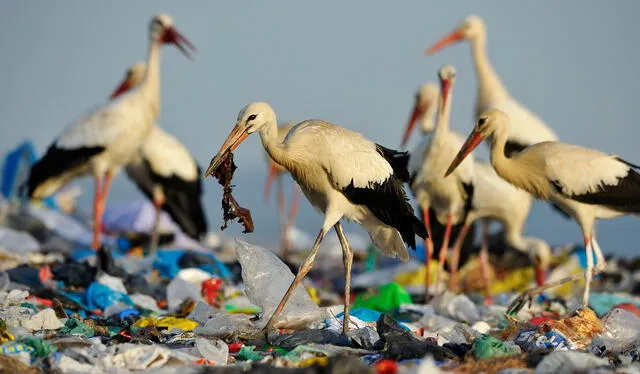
<point x="428" y="249"/>
<point x="98" y="207"/>
<point x="347" y="257"/>
<point x="305" y="267"/>
<point x="443" y="253"/>
<point x="97" y="218"/>
<point x="484" y="257"/>
<point x="455" y="256"/>
<point x="282" y="216"/>
<point x="602" y="263"/>
<point x="588" y="275"/>
<point x="158" y="202"/>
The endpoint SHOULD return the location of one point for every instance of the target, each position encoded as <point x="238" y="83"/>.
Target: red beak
<point x="172" y="36"/>
<point x="453" y="37"/>
<point x="472" y="142"/>
<point x="417" y="112"/>
<point x="122" y="88"/>
<point x="272" y="174"/>
<point x="540" y="275"/>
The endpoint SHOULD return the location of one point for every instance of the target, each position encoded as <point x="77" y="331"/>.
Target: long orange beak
<point x="453" y="37"/>
<point x="418" y="111"/>
<point x="237" y="136"/>
<point x="272" y="174"/>
<point x="124" y="86"/>
<point x="172" y="36"/>
<point x="472" y="142"/>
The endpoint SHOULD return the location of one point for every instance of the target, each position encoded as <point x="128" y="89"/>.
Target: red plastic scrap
<point x="45" y="274"/>
<point x="45" y="302"/>
<point x="540" y="319"/>
<point x="204" y="361"/>
<point x="210" y="289"/>
<point x="629" y="307"/>
<point x="386" y="367"/>
<point x="235" y="347"/>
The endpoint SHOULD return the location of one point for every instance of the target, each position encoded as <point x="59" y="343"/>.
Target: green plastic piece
<point x="487" y="346"/>
<point x="247" y="353"/>
<point x="76" y="327"/>
<point x="40" y="347"/>
<point x="388" y="299"/>
<point x="30" y="306"/>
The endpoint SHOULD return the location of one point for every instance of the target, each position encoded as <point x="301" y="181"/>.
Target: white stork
<point x="494" y="199"/>
<point x="275" y="172"/>
<point x="166" y="172"/>
<point x="528" y="128"/>
<point x="106" y="139"/>
<point x="449" y="198"/>
<point x="587" y="184"/>
<point x="343" y="175"/>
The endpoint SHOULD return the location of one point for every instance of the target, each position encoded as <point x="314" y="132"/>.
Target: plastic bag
<point x="266" y="280"/>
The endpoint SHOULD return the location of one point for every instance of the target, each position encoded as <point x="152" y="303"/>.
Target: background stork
<point x="101" y="142"/>
<point x="449" y="198"/>
<point x="494" y="199"/>
<point x="343" y="175"/>
<point x="166" y="172"/>
<point x="586" y="183"/>
<point x="424" y="112"/>
<point x="275" y="173"/>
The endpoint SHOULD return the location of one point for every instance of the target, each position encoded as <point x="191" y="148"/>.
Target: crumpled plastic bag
<point x="17" y="241"/>
<point x="144" y="357"/>
<point x="487" y="346"/>
<point x="180" y="290"/>
<point x="569" y="362"/>
<point x="43" y="320"/>
<point x="168" y="322"/>
<point x="101" y="297"/>
<point x="266" y="280"/>
<point x="621" y="332"/>
<point x="458" y="307"/>
<point x="215" y="351"/>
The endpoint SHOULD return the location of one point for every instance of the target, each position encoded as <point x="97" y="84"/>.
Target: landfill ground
<point x="64" y="309"/>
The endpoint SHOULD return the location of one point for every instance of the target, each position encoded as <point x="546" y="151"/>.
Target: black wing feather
<point x="513" y="147"/>
<point x="182" y="199"/>
<point x="56" y="162"/>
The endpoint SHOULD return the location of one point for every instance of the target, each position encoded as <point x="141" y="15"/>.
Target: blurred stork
<point x="275" y="173"/>
<point x="585" y="183"/>
<point x="343" y="175"/>
<point x="494" y="199"/>
<point x="449" y="198"/>
<point x="424" y="111"/>
<point x="101" y="142"/>
<point x="166" y="172"/>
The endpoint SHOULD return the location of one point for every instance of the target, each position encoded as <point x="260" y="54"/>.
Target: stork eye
<point x="251" y="117"/>
<point x="481" y="121"/>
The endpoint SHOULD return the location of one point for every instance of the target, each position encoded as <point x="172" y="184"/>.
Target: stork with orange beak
<point x="275" y="173"/>
<point x="587" y="184"/>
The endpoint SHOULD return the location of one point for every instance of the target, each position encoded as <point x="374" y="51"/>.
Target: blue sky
<point x="355" y="63"/>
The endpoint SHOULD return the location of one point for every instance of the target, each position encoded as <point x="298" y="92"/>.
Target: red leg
<point x="283" y="219"/>
<point x="443" y="253"/>
<point x="455" y="257"/>
<point x="428" y="248"/>
<point x="295" y="205"/>
<point x="97" y="217"/>
<point x="99" y="208"/>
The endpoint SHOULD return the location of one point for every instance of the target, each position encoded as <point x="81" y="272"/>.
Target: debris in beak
<point x="230" y="207"/>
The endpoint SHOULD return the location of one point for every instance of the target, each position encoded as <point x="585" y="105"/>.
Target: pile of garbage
<point x="75" y="310"/>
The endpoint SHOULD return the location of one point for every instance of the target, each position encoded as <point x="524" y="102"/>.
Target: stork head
<point x="132" y="77"/>
<point x="251" y="118"/>
<point x="540" y="255"/>
<point x="470" y="28"/>
<point x="423" y="108"/>
<point x="447" y="75"/>
<point x="161" y="30"/>
<point x="488" y="123"/>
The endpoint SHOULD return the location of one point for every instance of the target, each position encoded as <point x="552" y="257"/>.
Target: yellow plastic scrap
<point x="5" y="335"/>
<point x="313" y="293"/>
<point x="416" y="278"/>
<point x="168" y="322"/>
<point x="516" y="280"/>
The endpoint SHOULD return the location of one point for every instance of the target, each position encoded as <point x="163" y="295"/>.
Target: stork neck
<point x="503" y="165"/>
<point x="489" y="84"/>
<point x="444" y="114"/>
<point x="150" y="87"/>
<point x="427" y="120"/>
<point x="270" y="142"/>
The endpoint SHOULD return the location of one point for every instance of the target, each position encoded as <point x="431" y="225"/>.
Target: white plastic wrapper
<point x="266" y="279"/>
